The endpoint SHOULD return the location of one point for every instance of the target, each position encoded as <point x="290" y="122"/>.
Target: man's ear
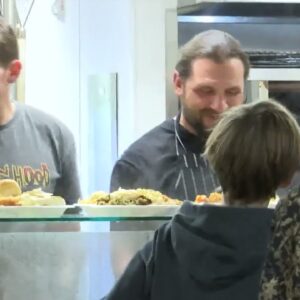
<point x="14" y="68"/>
<point x="178" y="84"/>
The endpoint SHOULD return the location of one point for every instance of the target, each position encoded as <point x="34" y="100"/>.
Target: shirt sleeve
<point x="68" y="185"/>
<point x="281" y="274"/>
<point x="125" y="175"/>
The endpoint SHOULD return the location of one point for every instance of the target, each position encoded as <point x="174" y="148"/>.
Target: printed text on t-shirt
<point x="26" y="175"/>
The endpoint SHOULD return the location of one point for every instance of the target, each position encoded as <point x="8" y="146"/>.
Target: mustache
<point x="209" y="111"/>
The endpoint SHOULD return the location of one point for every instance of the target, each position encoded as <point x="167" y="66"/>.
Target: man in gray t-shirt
<point x="36" y="150"/>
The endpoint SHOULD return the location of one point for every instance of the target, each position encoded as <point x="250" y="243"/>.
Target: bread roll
<point x="9" y="188"/>
<point x="10" y="192"/>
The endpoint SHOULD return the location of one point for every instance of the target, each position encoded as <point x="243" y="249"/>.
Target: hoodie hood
<point x="224" y="243"/>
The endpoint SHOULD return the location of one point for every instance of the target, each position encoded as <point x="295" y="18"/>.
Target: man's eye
<point x="233" y="93"/>
<point x="206" y="91"/>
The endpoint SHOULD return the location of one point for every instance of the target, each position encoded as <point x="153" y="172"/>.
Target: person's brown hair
<point x="253" y="149"/>
<point x="213" y="44"/>
<point x="8" y="44"/>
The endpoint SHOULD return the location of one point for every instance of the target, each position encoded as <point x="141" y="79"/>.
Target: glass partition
<point x="72" y="257"/>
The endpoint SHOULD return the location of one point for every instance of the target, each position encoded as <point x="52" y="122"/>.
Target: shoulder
<point x="150" y="142"/>
<point x="43" y="121"/>
<point x="286" y="220"/>
<point x="161" y="237"/>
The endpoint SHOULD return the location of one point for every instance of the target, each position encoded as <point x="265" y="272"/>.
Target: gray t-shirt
<point x="37" y="150"/>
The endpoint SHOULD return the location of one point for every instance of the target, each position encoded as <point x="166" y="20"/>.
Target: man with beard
<point x="208" y="79"/>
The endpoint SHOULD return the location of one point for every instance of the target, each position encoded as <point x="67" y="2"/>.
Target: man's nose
<point x="219" y="104"/>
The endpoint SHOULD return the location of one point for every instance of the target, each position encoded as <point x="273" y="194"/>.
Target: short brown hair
<point x="213" y="44"/>
<point x="253" y="149"/>
<point x="8" y="44"/>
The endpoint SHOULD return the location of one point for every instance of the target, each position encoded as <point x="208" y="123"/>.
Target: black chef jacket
<point x="168" y="159"/>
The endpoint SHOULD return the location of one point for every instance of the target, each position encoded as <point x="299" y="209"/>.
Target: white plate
<point x="32" y="211"/>
<point x="130" y="210"/>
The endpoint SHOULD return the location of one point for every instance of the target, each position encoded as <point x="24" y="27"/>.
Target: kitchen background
<point x="103" y="67"/>
<point x="88" y="63"/>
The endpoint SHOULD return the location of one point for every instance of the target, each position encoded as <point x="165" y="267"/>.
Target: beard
<point x="195" y="119"/>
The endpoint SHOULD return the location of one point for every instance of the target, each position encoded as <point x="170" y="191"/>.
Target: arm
<point x="68" y="185"/>
<point x="125" y="175"/>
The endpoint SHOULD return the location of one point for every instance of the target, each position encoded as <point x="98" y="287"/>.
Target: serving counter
<point x="72" y="257"/>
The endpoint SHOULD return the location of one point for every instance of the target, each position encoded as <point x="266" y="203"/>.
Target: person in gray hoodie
<point x="217" y="252"/>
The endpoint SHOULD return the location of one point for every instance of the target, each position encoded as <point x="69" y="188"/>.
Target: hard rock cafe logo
<point x="26" y="175"/>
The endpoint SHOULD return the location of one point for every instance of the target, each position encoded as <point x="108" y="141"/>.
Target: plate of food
<point x="214" y="199"/>
<point x="30" y="204"/>
<point x="129" y="211"/>
<point x="130" y="203"/>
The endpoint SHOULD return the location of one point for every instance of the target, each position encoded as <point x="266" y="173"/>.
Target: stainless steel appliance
<point x="269" y="32"/>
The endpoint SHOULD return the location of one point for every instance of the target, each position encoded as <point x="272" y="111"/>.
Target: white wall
<point x="106" y="46"/>
<point x="52" y="57"/>
<point x="96" y="37"/>
<point x="150" y="63"/>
